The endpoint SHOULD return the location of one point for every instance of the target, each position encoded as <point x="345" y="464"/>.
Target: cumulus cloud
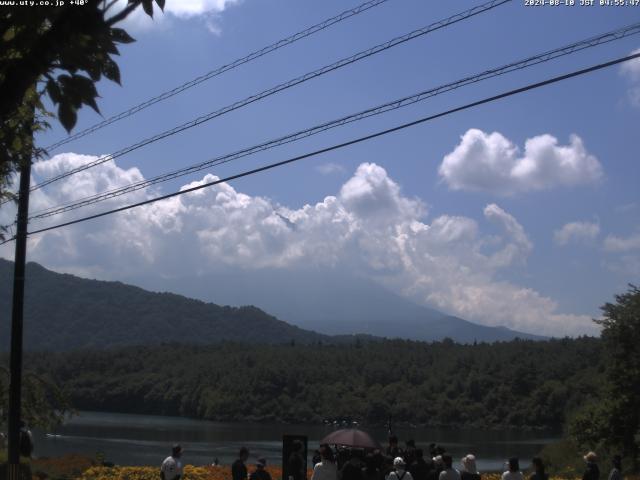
<point x="489" y="162"/>
<point x="613" y="243"/>
<point x="207" y="10"/>
<point x="576" y="232"/>
<point x="369" y="227"/>
<point x="631" y="70"/>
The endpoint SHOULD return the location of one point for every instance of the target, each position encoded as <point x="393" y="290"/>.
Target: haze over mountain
<point x="66" y="312"/>
<point x="331" y="303"/>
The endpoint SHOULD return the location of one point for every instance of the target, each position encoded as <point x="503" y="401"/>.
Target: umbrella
<point x="351" y="437"/>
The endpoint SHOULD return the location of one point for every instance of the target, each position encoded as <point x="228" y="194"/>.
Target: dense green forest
<point x="65" y="312"/>
<point x="518" y="383"/>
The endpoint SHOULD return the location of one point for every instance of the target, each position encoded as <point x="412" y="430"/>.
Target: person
<point x="216" y="462"/>
<point x="469" y="470"/>
<point x="352" y="470"/>
<point x="513" y="470"/>
<point x="409" y="451"/>
<point x="26" y="441"/>
<point x="326" y="469"/>
<point x="538" y="470"/>
<point x="616" y="471"/>
<point x="592" y="472"/>
<point x="449" y="473"/>
<point x="399" y="470"/>
<point x="419" y="469"/>
<point x="296" y="461"/>
<point x="393" y="450"/>
<point x="239" y="467"/>
<point x="171" y="468"/>
<point x="371" y="469"/>
<point x="260" y="473"/>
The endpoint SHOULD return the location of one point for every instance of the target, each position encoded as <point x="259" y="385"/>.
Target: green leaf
<point x="54" y="91"/>
<point x="147" y="5"/>
<point x="16" y="145"/>
<point x="67" y="116"/>
<point x="93" y="68"/>
<point x="121" y="36"/>
<point x="111" y="71"/>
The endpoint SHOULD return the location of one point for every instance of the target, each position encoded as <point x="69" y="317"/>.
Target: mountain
<point x="64" y="312"/>
<point x="332" y="303"/>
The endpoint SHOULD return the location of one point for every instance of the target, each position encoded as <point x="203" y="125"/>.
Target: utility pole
<point x="15" y="365"/>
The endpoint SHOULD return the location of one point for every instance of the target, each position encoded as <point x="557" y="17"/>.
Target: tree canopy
<point x="59" y="53"/>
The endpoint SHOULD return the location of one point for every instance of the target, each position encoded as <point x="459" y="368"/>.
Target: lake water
<point x="146" y="440"/>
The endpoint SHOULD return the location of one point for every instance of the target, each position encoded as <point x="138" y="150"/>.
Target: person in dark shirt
<point x="393" y="450"/>
<point x="469" y="469"/>
<point x="260" y="473"/>
<point x="352" y="470"/>
<point x="296" y="461"/>
<point x="419" y="469"/>
<point x="371" y="470"/>
<point x="538" y="470"/>
<point x="592" y="471"/>
<point x="616" y="471"/>
<point x="409" y="451"/>
<point x="238" y="468"/>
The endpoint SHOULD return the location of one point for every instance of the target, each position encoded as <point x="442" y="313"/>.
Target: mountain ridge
<point x="66" y="312"/>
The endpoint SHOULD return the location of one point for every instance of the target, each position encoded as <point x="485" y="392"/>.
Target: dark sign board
<point x="294" y="457"/>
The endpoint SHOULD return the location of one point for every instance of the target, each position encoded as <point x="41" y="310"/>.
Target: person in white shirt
<point x="326" y="469"/>
<point x="171" y="468"/>
<point x="399" y="470"/>
<point x="449" y="473"/>
<point x="513" y="472"/>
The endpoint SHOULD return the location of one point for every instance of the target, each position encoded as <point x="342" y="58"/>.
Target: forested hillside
<point x="519" y="383"/>
<point x="64" y="312"/>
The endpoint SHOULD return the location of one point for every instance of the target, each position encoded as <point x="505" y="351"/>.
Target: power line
<point x="220" y="70"/>
<point x="348" y="143"/>
<point x="284" y="86"/>
<point x="8" y="240"/>
<point x="380" y="109"/>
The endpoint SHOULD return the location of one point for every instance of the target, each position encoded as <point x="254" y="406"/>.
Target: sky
<point x="524" y="212"/>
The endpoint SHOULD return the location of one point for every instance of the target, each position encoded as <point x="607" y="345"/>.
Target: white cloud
<point x="576" y="232"/>
<point x="330" y="168"/>
<point x="520" y="247"/>
<point x="369" y="228"/>
<point x="613" y="243"/>
<point x="491" y="163"/>
<point x="208" y="10"/>
<point x="631" y="70"/>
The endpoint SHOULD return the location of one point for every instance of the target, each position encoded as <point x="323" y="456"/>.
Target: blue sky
<point x="566" y="273"/>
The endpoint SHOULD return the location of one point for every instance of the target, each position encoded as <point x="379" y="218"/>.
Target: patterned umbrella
<point x="351" y="437"/>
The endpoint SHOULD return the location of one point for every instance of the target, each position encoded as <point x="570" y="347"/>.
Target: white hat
<point x="398" y="462"/>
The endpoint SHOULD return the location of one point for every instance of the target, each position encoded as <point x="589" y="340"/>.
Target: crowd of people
<point x="409" y="463"/>
<point x="394" y="463"/>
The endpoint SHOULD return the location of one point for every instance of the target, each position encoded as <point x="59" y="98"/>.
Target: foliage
<point x="516" y="384"/>
<point x="612" y="422"/>
<point x="44" y="404"/>
<point x="60" y="53"/>
<point x="65" y="312"/>
<point x="563" y="458"/>
<point x="151" y="473"/>
<point x="65" y="467"/>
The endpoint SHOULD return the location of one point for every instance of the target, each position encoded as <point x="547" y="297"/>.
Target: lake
<point x="127" y="439"/>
